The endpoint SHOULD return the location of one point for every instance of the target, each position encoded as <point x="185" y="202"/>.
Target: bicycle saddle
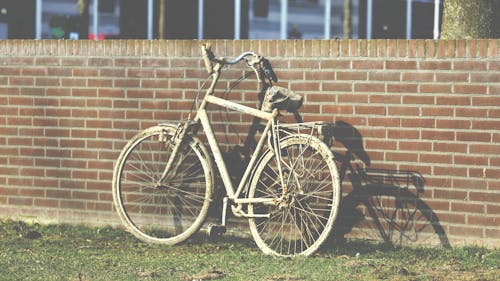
<point x="281" y="98"/>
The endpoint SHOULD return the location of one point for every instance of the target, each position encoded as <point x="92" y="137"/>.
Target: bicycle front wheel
<point x="304" y="208"/>
<point x="169" y="211"/>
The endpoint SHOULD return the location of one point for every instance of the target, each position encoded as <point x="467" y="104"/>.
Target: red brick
<point x="467" y="207"/>
<point x="384" y="122"/>
<point x="97" y="206"/>
<point x="71" y="204"/>
<point x="451" y="77"/>
<point x="471" y="112"/>
<point x="492" y="233"/>
<point x="435" y="88"/>
<point x="58" y="153"/>
<point x="335" y="64"/>
<point x="493" y="209"/>
<point x="403" y="111"/>
<point x="437" y="111"/>
<point x="385" y="98"/>
<point x="453" y="100"/>
<point x="484" y="196"/>
<point x="380" y="144"/>
<point x="466" y="231"/>
<point x="435" y="65"/>
<point x="370" y="110"/>
<point x="384" y="76"/>
<point x="486" y="101"/>
<point x="402" y="88"/>
<point x="403" y="134"/>
<point x="369" y="87"/>
<point x="351" y="75"/>
<point x="46" y="203"/>
<point x="20" y="201"/>
<point x="470" y="89"/>
<point x="47" y="162"/>
<point x="449" y="147"/>
<point x="98" y="124"/>
<point x="492" y="149"/>
<point x="305" y="86"/>
<point x="367" y="64"/>
<point x="418" y="76"/>
<point x="435" y="158"/>
<point x="125" y="104"/>
<point x="474" y="136"/>
<point x="336" y="109"/>
<point x="304" y="64"/>
<point x="470" y="65"/>
<point x="138" y="115"/>
<point x="485" y="77"/>
<point x="453" y="124"/>
<point x="470" y="160"/>
<point x="77" y="133"/>
<point x="401" y="156"/>
<point x="401" y="64"/>
<point x="161" y="84"/>
<point x="438" y="205"/>
<point x="449" y="171"/>
<point x="418" y="122"/>
<point x="73" y="82"/>
<point x="126" y="83"/>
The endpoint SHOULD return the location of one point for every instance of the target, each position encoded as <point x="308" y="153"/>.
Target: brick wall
<point x="421" y="115"/>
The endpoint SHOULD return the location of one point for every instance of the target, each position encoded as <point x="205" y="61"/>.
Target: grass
<point x="63" y="252"/>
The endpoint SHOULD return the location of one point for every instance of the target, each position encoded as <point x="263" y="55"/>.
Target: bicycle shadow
<point x="379" y="204"/>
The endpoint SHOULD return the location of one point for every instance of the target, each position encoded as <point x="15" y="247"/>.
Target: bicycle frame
<point x="163" y="182"/>
<point x="202" y="117"/>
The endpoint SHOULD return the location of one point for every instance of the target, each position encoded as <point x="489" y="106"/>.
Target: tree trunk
<point x="347" y="19"/>
<point x="470" y="19"/>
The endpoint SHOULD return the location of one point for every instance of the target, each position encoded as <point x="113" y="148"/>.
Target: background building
<point x="228" y="19"/>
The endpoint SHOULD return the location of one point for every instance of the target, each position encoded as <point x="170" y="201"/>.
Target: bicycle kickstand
<point x="217" y="230"/>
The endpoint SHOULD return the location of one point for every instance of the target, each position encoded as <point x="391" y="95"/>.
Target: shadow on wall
<point x="378" y="204"/>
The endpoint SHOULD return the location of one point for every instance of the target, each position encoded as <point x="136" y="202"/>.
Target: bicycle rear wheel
<point x="300" y="219"/>
<point x="171" y="211"/>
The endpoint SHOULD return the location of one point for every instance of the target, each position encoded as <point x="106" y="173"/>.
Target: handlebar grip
<point x="205" y="49"/>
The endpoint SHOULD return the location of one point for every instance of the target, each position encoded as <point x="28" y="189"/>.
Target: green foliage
<point x="64" y="252"/>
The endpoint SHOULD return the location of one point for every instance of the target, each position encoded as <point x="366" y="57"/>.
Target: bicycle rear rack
<point x="315" y="129"/>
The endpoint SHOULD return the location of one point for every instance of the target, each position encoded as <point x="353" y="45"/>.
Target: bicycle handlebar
<point x="240" y="57"/>
<point x="208" y="58"/>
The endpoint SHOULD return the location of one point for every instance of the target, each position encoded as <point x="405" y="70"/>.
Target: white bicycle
<point x="163" y="180"/>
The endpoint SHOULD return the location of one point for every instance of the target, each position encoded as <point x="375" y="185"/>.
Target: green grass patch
<point x="64" y="252"/>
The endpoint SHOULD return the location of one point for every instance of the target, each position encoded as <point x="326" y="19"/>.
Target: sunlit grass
<point x="63" y="252"/>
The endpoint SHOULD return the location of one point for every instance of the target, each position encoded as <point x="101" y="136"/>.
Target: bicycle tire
<point x="304" y="222"/>
<point x="173" y="211"/>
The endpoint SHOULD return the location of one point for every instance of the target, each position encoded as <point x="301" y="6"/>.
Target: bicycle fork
<point x="177" y="140"/>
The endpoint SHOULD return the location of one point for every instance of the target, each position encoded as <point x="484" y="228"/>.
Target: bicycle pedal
<point x="215" y="230"/>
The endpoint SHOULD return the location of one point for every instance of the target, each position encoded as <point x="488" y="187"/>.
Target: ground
<point x="63" y="252"/>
